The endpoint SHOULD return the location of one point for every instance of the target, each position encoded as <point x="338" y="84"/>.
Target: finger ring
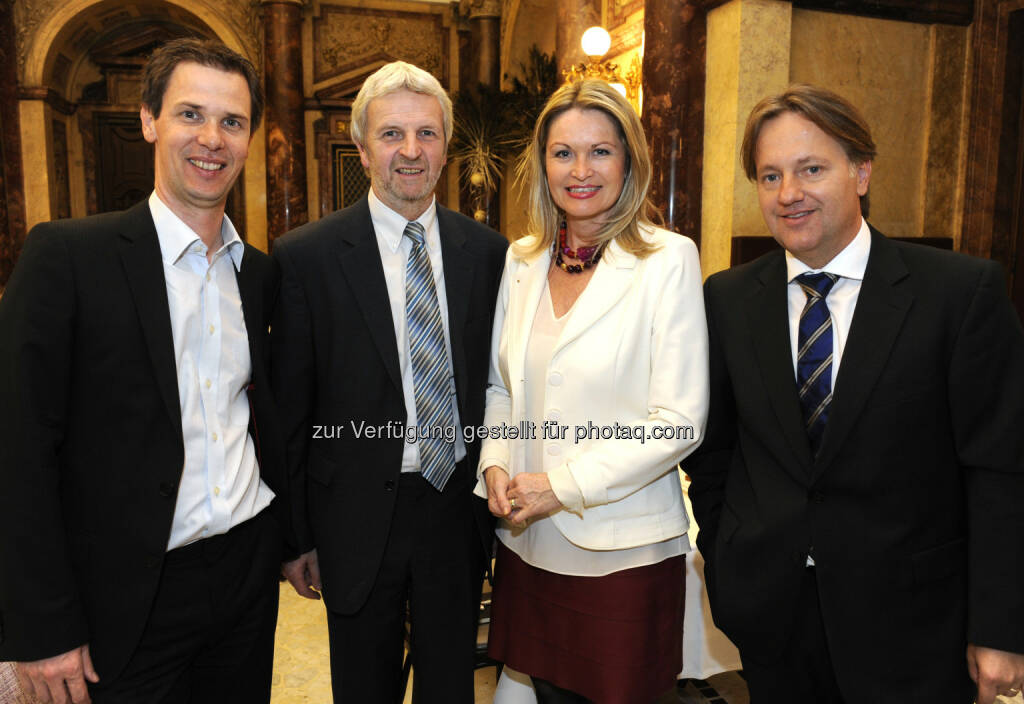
<point x="512" y="502"/>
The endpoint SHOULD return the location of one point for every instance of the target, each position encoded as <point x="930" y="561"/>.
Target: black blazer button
<point x="389" y="485"/>
<point x="817" y="497"/>
<point x="168" y="489"/>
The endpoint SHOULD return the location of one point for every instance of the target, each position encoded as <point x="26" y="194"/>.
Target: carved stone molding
<point x="28" y="15"/>
<point x="620" y="10"/>
<point x="242" y="16"/>
<point x="348" y="38"/>
<point x="245" y="17"/>
<point x="480" y="8"/>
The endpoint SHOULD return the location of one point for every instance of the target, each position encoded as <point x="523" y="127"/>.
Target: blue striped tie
<point x="814" y="355"/>
<point x="430" y="370"/>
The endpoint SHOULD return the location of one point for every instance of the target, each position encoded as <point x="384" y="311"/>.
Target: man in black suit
<point x="139" y="560"/>
<point x="381" y="344"/>
<point x="860" y="490"/>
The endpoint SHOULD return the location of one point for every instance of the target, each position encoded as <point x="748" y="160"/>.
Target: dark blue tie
<point x="814" y="355"/>
<point x="430" y="369"/>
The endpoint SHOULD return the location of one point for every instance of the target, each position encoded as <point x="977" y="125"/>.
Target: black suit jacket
<point x="336" y="365"/>
<point x="915" y="504"/>
<point x="91" y="446"/>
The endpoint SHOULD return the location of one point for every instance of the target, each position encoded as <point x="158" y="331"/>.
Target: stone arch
<point x="68" y="16"/>
<point x="52" y="30"/>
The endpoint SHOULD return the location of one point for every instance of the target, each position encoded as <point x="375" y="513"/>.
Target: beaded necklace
<point x="588" y="256"/>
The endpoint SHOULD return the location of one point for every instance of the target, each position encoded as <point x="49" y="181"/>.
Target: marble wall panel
<point x="882" y="67"/>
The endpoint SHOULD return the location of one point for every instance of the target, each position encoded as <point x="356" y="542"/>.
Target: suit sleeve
<point x="709" y="465"/>
<point x="986" y="386"/>
<point x="40" y="609"/>
<point x="292" y="374"/>
<point x="498" y="408"/>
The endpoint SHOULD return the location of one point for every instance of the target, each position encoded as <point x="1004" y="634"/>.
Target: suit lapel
<point x="768" y="317"/>
<point x="610" y="282"/>
<point x="359" y="258"/>
<point x="881" y="308"/>
<point x="252" y="304"/>
<point x="459" y="269"/>
<point x="525" y="293"/>
<point x="143" y="264"/>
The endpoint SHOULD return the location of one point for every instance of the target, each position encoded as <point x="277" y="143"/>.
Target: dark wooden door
<point x="124" y="161"/>
<point x="1011" y="188"/>
<point x="124" y="167"/>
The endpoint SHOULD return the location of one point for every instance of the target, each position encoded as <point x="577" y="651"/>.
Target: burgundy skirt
<point x="616" y="639"/>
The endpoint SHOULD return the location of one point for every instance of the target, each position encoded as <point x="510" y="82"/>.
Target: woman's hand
<point x="530" y="495"/>
<point x="497" y="491"/>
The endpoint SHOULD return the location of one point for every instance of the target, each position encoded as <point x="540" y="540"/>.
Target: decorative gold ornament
<point x="595" y="42"/>
<point x="480" y="215"/>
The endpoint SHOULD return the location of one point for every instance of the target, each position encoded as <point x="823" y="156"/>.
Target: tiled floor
<point x="302" y="670"/>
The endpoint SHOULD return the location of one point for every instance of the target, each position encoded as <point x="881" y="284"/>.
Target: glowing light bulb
<point x="596" y="42"/>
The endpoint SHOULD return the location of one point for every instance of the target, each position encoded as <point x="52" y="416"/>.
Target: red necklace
<point x="588" y="256"/>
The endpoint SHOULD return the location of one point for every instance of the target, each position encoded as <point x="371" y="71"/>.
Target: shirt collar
<point x="176" y="237"/>
<point x="850" y="263"/>
<point x="390" y="225"/>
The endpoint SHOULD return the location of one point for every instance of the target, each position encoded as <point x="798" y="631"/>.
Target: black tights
<point x="548" y="693"/>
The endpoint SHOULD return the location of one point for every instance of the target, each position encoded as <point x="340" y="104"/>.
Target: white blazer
<point x="634" y="352"/>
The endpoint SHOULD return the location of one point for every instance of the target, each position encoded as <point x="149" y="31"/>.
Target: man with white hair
<point x="381" y="342"/>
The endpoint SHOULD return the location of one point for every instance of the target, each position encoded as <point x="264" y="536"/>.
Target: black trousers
<point x="210" y="634"/>
<point x="433" y="559"/>
<point x="803" y="674"/>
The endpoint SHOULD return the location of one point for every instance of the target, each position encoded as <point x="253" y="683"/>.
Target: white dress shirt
<point x="220" y="482"/>
<point x="389" y="227"/>
<point x="849" y="266"/>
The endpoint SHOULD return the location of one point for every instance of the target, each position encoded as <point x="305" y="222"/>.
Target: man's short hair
<point x="391" y="78"/>
<point x="833" y="114"/>
<point x="205" y="52"/>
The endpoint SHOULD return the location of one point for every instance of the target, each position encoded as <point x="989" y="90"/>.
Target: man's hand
<point x="497" y="491"/>
<point x="304" y="574"/>
<point x="530" y="495"/>
<point x="60" y="679"/>
<point x="995" y="672"/>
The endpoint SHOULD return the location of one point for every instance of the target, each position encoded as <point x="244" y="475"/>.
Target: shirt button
<point x="215" y="437"/>
<point x="555" y="379"/>
<point x="208" y="383"/>
<point x="216" y="491"/>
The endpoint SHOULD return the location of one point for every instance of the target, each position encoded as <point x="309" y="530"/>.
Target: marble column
<point x="574" y="18"/>
<point x="673" y="109"/>
<point x="12" y="202"/>
<point x="286" y="137"/>
<point x="485" y="48"/>
<point x="748" y="57"/>
<point x="485" y="40"/>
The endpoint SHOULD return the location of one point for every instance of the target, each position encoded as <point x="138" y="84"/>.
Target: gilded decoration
<point x="350" y="38"/>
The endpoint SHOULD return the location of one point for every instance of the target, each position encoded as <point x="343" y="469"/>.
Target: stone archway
<point x="58" y="42"/>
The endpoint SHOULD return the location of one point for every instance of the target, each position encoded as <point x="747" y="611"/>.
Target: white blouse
<point x="541" y="544"/>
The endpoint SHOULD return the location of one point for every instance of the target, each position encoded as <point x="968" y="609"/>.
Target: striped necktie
<point x="814" y="355"/>
<point x="430" y="369"/>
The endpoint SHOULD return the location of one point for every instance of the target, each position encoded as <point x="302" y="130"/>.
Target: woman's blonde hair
<point x="632" y="209"/>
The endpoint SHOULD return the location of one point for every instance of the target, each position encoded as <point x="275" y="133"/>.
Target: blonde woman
<point x="599" y="387"/>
